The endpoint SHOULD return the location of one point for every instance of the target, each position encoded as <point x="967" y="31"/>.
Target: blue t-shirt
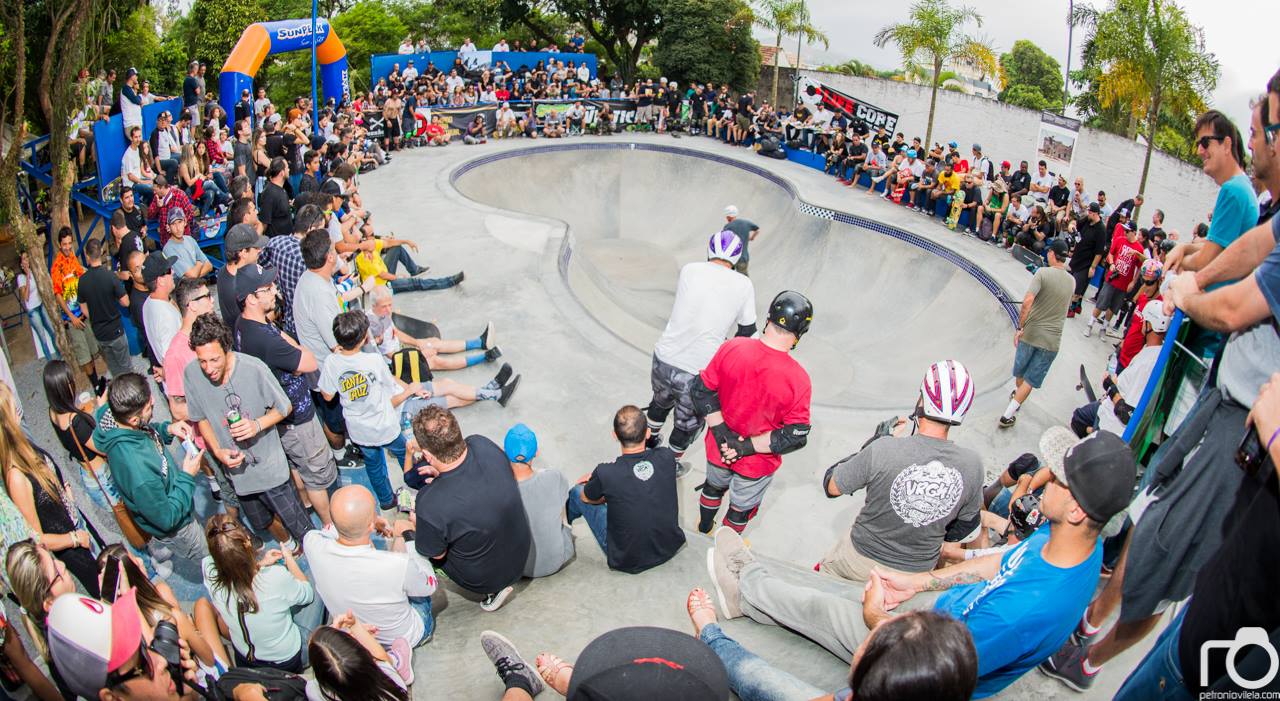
<point x="1268" y="274"/>
<point x="1235" y="211"/>
<point x="1023" y="614"/>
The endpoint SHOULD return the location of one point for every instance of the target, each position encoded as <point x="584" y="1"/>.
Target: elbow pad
<point x="827" y="477"/>
<point x="745" y="330"/>
<point x="1123" y="411"/>
<point x="788" y="439"/>
<point x="705" y="401"/>
<point x="962" y="531"/>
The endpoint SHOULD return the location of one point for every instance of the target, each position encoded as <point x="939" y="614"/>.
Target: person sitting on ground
<point x="439" y="353"/>
<point x="542" y="491"/>
<point x="993" y="211"/>
<point x="856" y="154"/>
<point x="157" y="490"/>
<point x="948" y="184"/>
<point x="505" y="121"/>
<point x="920" y="188"/>
<point x="922" y="488"/>
<point x="389" y="588"/>
<point x="604" y="120"/>
<point x="576" y="117"/>
<point x="348" y="662"/>
<point x="618" y="666"/>
<point x="436" y="133"/>
<point x="1059" y="202"/>
<point x="1016" y="216"/>
<point x="553" y="124"/>
<point x="874" y="165"/>
<point x="528" y="122"/>
<point x="370" y="263"/>
<point x="1020" y="605"/>
<point x="119" y="571"/>
<point x="1035" y="230"/>
<point x="972" y="198"/>
<point x="471" y="522"/>
<point x="918" y="655"/>
<point x="1113" y="411"/>
<point x="642" y="529"/>
<point x="475" y="133"/>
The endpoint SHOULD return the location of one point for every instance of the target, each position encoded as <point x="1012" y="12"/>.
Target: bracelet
<point x="1272" y="439"/>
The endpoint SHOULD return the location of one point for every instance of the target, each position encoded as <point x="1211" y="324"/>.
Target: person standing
<point x="1089" y="251"/>
<point x="542" y="492"/>
<point x="747" y="232"/>
<point x="159" y="316"/>
<point x="751" y="428"/>
<point x="1040" y="321"/>
<point x="191" y="93"/>
<point x="1124" y="259"/>
<point x="65" y="274"/>
<point x="241" y="247"/>
<point x="104" y="295"/>
<point x="236" y="400"/>
<point x="710" y="302"/>
<point x="41" y="328"/>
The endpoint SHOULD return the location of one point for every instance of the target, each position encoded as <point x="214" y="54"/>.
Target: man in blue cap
<point x="543" y="493"/>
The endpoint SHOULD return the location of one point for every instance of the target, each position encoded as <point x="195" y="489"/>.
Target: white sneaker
<point x="493" y="602"/>
<point x="1088" y="330"/>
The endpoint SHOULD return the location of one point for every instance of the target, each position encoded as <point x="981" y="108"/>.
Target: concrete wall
<point x="1107" y="162"/>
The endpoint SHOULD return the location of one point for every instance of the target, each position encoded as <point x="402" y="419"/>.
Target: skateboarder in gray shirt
<point x="922" y="489"/>
<point x="746" y="230"/>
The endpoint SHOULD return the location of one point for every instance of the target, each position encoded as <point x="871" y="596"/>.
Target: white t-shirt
<point x="365" y="386"/>
<point x="1131" y="382"/>
<point x="916" y="167"/>
<point x="584" y="73"/>
<point x="467" y="48"/>
<point x="162" y="321"/>
<point x="501" y="46"/>
<point x="167" y="144"/>
<point x="33" y="294"/>
<point x="374" y="584"/>
<point x="131" y="164"/>
<point x="711" y="301"/>
<point x="410" y="74"/>
<point x="453" y="82"/>
<point x="1046" y="181"/>
<point x="1020" y="211"/>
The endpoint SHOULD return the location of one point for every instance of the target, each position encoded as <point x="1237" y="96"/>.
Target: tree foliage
<point x="622" y="28"/>
<point x="1033" y="78"/>
<point x="708" y="40"/>
<point x="214" y="26"/>
<point x="367" y="29"/>
<point x="934" y="36"/>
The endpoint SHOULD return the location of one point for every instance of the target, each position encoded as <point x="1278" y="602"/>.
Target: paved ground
<point x="884" y="310"/>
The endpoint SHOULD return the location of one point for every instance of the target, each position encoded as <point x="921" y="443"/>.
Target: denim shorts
<point x="1031" y="363"/>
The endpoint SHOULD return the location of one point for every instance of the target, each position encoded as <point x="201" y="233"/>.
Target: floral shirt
<point x="65" y="274"/>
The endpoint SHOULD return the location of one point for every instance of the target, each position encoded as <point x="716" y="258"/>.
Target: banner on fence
<point x="456" y="119"/>
<point x="812" y="93"/>
<point x="1056" y="142"/>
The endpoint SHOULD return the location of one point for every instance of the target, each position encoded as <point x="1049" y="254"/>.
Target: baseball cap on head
<point x="242" y="236"/>
<point x="157" y="265"/>
<point x="643" y="663"/>
<point x="1005" y="164"/>
<point x="1095" y="208"/>
<point x="1059" y="248"/>
<point x="521" y="443"/>
<point x="731" y="211"/>
<point x="1098" y="469"/>
<point x="90" y="639"/>
<point x="953" y="144"/>
<point x="176" y="214"/>
<point x="252" y="278"/>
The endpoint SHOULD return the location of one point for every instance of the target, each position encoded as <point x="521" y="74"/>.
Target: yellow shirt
<point x="950" y="183"/>
<point x="370" y="264"/>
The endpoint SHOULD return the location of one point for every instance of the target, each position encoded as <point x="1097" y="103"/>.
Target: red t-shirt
<point x="434" y="130"/>
<point x="761" y="389"/>
<point x="1126" y="256"/>
<point x="1133" y="338"/>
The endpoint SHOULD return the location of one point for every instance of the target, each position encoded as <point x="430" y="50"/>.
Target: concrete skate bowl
<point x="887" y="302"/>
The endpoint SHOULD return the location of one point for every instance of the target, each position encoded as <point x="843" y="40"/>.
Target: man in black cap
<point x="1040" y="321"/>
<point x="161" y="319"/>
<point x="240" y="247"/>
<point x="1019" y="604"/>
<point x="1089" y="252"/>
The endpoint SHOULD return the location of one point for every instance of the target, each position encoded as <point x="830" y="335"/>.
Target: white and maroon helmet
<point x="946" y="393"/>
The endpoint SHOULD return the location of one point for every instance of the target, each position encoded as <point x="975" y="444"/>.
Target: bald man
<point x="390" y="589"/>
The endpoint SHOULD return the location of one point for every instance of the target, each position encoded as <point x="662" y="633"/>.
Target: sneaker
<point x="504" y="373"/>
<point x="682" y="468"/>
<point x="164" y="568"/>
<point x="1081" y="638"/>
<point x="1112" y="332"/>
<point x="654" y="440"/>
<point x="457" y="278"/>
<point x="493" y="602"/>
<point x="1006" y="423"/>
<point x="507" y="661"/>
<point x="492" y="354"/>
<point x="421" y="269"/>
<point x="400" y="655"/>
<point x="486" y="338"/>
<point x="725" y="561"/>
<point x="1088" y="331"/>
<point x="346" y="462"/>
<point x="508" y="390"/>
<point x="1067" y="666"/>
<point x="405" y="499"/>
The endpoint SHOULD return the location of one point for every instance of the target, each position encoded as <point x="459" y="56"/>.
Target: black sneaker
<point x="1006" y="423"/>
<point x="486" y="338"/>
<point x="508" y="390"/>
<point x="504" y="374"/>
<point x="346" y="462"/>
<point x="492" y="354"/>
<point x="654" y="440"/>
<point x="457" y="278"/>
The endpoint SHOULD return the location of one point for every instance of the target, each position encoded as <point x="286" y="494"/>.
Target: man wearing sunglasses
<point x="102" y="653"/>
<point x="1221" y="150"/>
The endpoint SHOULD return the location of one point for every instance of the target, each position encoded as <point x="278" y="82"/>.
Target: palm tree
<point x="1152" y="59"/>
<point x="781" y="17"/>
<point x="852" y="67"/>
<point x="934" y="36"/>
<point x="806" y="31"/>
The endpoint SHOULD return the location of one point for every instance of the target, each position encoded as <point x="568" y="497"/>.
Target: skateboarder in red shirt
<point x="755" y="397"/>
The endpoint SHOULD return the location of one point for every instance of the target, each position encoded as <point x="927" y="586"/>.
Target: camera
<point x="166" y="643"/>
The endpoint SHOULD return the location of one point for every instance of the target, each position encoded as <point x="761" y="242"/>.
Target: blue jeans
<point x="1158" y="677"/>
<point x="597" y="516"/>
<point x="417" y="284"/>
<point x="43" y="331"/>
<point x="144" y="192"/>
<point x="396" y="256"/>
<point x="422" y="605"/>
<point x="309" y="617"/>
<point x="375" y="467"/>
<point x="750" y="677"/>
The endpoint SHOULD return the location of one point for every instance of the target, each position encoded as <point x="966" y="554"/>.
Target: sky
<point x="1247" y="56"/>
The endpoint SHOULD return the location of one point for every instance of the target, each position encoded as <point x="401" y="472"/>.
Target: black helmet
<point x="791" y="311"/>
<point x="1025" y="516"/>
<point x="1168" y="245"/>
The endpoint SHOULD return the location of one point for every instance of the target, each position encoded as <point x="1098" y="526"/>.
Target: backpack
<point x="280" y="685"/>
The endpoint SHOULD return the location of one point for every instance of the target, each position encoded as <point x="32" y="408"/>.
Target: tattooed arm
<point x="898" y="587"/>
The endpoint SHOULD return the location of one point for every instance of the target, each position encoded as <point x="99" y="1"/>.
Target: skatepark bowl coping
<point x="887" y="302"/>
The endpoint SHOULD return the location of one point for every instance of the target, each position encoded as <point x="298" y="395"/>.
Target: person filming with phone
<point x="157" y="489"/>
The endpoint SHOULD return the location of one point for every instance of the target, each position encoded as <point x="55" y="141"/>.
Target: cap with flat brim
<point x="643" y="663"/>
<point x="157" y="265"/>
<point x="90" y="639"/>
<point x="1098" y="469"/>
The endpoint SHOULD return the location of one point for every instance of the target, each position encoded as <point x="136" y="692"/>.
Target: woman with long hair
<point x="33" y="483"/>
<point x="41" y="327"/>
<point x="267" y="609"/>
<point x="120" y="570"/>
<point x="261" y="161"/>
<point x="348" y="663"/>
<point x="191" y="179"/>
<point x="210" y="174"/>
<point x="73" y="425"/>
<point x="36" y="578"/>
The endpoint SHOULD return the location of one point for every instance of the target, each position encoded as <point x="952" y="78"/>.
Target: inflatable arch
<point x="264" y="39"/>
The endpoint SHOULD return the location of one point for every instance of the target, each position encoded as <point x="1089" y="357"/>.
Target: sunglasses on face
<point x="145" y="669"/>
<point x="1204" y="141"/>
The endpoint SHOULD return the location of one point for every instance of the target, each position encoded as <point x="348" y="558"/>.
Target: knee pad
<point x="711" y="491"/>
<point x="737" y="519"/>
<point x="657" y="415"/>
<point x="681" y="439"/>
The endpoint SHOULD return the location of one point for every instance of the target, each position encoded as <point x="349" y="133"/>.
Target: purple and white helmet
<point x="725" y="245"/>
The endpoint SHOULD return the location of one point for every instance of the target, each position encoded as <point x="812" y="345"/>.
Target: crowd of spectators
<point x="287" y="362"/>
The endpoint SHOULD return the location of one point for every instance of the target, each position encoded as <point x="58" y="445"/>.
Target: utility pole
<point x="1066" y="79"/>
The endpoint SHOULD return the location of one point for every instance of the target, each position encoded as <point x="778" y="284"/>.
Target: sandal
<point x="550" y="667"/>
<point x="699" y="601"/>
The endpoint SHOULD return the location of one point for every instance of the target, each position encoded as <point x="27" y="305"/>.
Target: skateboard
<point x="957" y="206"/>
<point x="1027" y="257"/>
<point x="416" y="328"/>
<point x="1086" y="385"/>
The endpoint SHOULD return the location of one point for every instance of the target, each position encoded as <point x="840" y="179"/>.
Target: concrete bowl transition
<point x="888" y="302"/>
